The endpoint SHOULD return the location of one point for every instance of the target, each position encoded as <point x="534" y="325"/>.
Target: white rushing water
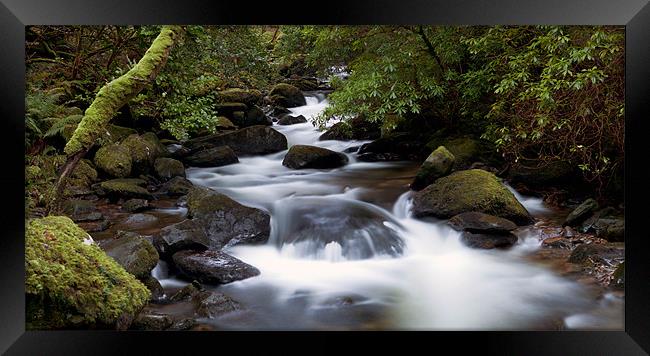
<point x="336" y="260"/>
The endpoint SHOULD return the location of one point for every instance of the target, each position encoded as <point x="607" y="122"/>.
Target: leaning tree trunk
<point x="110" y="98"/>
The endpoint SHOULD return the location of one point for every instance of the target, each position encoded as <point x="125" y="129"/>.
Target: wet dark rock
<point x="277" y="111"/>
<point x="253" y="140"/>
<point x="612" y="230"/>
<point x="353" y="129"/>
<point x="303" y="156"/>
<point x="396" y="147"/>
<point x="186" y="293"/>
<point x="212" y="267"/>
<point x="251" y="117"/>
<point x="581" y="213"/>
<point x="618" y="278"/>
<point x="135" y="205"/>
<point x="380" y="157"/>
<point x="481" y="223"/>
<point x="438" y="164"/>
<point x="228" y="109"/>
<point x="183" y="324"/>
<point x="291" y="120"/>
<point x="469" y="191"/>
<point x="176" y="186"/>
<point x="589" y="224"/>
<point x="185" y="235"/>
<point x="539" y="174"/>
<point x="134" y="253"/>
<point x="488" y="241"/>
<point x="168" y="168"/>
<point x="599" y="253"/>
<point x="352" y="149"/>
<point x="212" y="157"/>
<point x="225" y="221"/>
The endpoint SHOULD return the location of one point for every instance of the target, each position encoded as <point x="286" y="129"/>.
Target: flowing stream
<point x="345" y="253"/>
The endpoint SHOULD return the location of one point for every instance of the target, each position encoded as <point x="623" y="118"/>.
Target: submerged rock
<point x="133" y="252"/>
<point x="253" y="140"/>
<point x="466" y="191"/>
<point x="212" y="267"/>
<point x="212" y="157"/>
<point x="438" y="164"/>
<point x="303" y="156"/>
<point x="225" y="221"/>
<point x="71" y="283"/>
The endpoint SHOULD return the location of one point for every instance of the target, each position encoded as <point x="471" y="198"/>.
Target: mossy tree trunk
<point x="110" y="98"/>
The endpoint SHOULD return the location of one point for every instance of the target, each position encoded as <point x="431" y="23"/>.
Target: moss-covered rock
<point x="228" y="109"/>
<point x="542" y="174"/>
<point x="438" y="164"/>
<point x="223" y="123"/>
<point x="81" y="179"/>
<point x="72" y="283"/>
<point x="114" y="160"/>
<point x="167" y="168"/>
<point x="125" y="188"/>
<point x="133" y="252"/>
<point x="159" y="150"/>
<point x="304" y="156"/>
<point x="395" y="146"/>
<point x="249" y="97"/>
<point x="176" y="186"/>
<point x="143" y="153"/>
<point x="287" y="95"/>
<point x="470" y="190"/>
<point x="581" y="213"/>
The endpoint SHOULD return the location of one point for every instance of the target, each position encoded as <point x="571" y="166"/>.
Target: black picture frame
<point x="634" y="14"/>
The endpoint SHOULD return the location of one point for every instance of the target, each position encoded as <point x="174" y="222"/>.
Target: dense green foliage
<point x="539" y="93"/>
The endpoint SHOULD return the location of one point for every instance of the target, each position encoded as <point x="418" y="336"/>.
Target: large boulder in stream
<point x="225" y="221"/>
<point x="114" y="160"/>
<point x="291" y="120"/>
<point x="212" y="267"/>
<point x="212" y="157"/>
<point x="304" y="156"/>
<point x="438" y="164"/>
<point x="354" y="129"/>
<point x="133" y="252"/>
<point x="185" y="235"/>
<point x="397" y="146"/>
<point x="253" y="140"/>
<point x="71" y="283"/>
<point x="287" y="95"/>
<point x="471" y="190"/>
